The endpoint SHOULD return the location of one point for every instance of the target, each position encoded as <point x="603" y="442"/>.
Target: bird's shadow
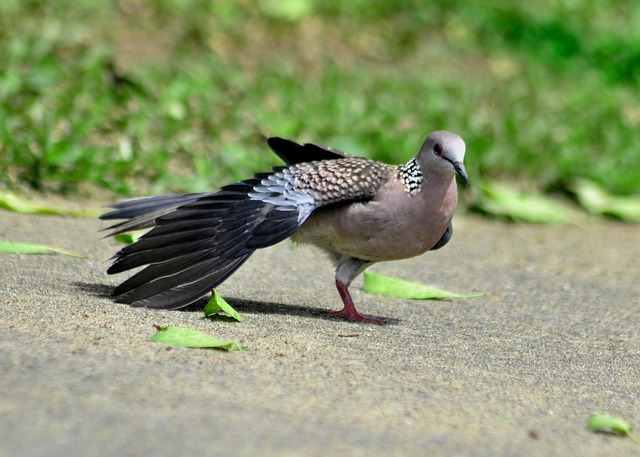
<point x="239" y="304"/>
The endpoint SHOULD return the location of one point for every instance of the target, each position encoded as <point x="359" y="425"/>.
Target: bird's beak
<point x="462" y="172"/>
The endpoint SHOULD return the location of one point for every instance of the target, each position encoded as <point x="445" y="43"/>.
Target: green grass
<point x="142" y="97"/>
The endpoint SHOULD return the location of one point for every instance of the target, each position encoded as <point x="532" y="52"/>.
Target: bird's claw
<point x="352" y="315"/>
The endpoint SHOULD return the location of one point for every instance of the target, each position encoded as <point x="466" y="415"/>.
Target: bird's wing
<point x="446" y="236"/>
<point x="344" y="180"/>
<point x="291" y="152"/>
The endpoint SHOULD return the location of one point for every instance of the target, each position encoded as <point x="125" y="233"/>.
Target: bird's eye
<point x="437" y="149"/>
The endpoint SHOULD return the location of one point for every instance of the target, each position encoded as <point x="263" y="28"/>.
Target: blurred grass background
<point x="144" y="97"/>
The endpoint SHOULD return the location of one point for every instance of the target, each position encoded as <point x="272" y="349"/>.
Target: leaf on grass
<point x="12" y="202"/>
<point x="129" y="237"/>
<point x="609" y="424"/>
<point x="217" y="304"/>
<point x="9" y="247"/>
<point x="501" y="200"/>
<point x="180" y="336"/>
<point x="394" y="287"/>
<point x="596" y="200"/>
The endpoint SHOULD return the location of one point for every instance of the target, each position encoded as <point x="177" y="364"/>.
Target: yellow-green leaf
<point x="609" y="424"/>
<point x="129" y="237"/>
<point x="12" y="202"/>
<point x="501" y="200"/>
<point x="217" y="304"/>
<point x="9" y="247"/>
<point x="597" y="201"/>
<point x="290" y="10"/>
<point x="394" y="287"/>
<point x="181" y="336"/>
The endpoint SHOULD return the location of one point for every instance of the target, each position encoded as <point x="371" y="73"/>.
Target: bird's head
<point x="443" y="153"/>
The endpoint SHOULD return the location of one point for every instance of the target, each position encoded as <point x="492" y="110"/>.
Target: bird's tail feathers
<point x="141" y="213"/>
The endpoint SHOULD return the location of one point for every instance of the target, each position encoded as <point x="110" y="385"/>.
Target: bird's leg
<point x="349" y="311"/>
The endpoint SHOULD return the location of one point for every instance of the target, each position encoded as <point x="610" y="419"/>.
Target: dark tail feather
<point x="197" y="241"/>
<point x="182" y="288"/>
<point x="142" y="212"/>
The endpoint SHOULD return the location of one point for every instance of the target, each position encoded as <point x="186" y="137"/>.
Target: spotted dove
<point x="357" y="210"/>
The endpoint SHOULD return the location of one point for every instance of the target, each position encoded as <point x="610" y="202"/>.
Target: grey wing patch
<point x="278" y="189"/>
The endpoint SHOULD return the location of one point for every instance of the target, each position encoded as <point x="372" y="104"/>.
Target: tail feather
<point x="277" y="226"/>
<point x="141" y="213"/>
<point x="158" y="270"/>
<point x="135" y="259"/>
<point x="166" y="240"/>
<point x="168" y="280"/>
<point x="181" y="227"/>
<point x="186" y="293"/>
<point x="134" y="207"/>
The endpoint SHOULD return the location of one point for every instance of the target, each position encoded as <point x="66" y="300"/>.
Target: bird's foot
<point x="353" y="315"/>
<point x="349" y="310"/>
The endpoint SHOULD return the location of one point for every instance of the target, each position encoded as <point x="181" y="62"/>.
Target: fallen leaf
<point x="217" y="304"/>
<point x="129" y="237"/>
<point x="12" y="202"/>
<point x="609" y="424"/>
<point x="180" y="336"/>
<point x="394" y="287"/>
<point x="596" y="200"/>
<point x="501" y="200"/>
<point x="9" y="247"/>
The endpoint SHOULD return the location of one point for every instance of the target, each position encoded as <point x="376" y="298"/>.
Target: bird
<point x="357" y="210"/>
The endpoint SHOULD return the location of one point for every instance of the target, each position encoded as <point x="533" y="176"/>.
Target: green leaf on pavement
<point x="180" y="336"/>
<point x="217" y="304"/>
<point x="394" y="287"/>
<point x="9" y="247"/>
<point x="609" y="424"/>
<point x="12" y="202"/>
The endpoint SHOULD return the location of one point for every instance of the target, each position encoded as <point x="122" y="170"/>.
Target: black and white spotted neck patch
<point x="411" y="175"/>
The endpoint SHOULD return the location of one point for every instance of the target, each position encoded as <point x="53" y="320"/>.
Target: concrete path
<point x="515" y="373"/>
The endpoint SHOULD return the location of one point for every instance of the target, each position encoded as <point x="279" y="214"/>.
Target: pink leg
<point x="349" y="310"/>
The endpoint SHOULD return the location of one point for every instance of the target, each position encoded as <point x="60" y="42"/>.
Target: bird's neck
<point x="410" y="175"/>
<point x="440" y="190"/>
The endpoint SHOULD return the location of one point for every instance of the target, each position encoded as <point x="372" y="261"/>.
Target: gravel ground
<point x="516" y="372"/>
